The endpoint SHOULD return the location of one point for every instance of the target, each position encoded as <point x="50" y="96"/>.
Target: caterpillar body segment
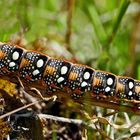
<point x="107" y="83"/>
<point x="32" y="66"/>
<point x="10" y="59"/>
<point x="75" y="79"/>
<point x="56" y="74"/>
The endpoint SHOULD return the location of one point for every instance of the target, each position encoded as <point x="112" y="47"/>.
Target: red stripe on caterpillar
<point x="56" y="74"/>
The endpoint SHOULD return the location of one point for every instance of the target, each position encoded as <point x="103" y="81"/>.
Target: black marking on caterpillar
<point x="58" y="74"/>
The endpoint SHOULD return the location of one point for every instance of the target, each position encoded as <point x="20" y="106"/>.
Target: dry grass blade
<point x="19" y="109"/>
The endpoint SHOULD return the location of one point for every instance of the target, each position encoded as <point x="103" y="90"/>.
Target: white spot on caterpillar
<point x="60" y="79"/>
<point x="15" y="55"/>
<point x="131" y="85"/>
<point x="86" y="75"/>
<point x="40" y="63"/>
<point x="107" y="89"/>
<point x="64" y="70"/>
<point x="109" y="81"/>
<point x="35" y="72"/>
<point x="84" y="84"/>
<point x="12" y="64"/>
<point x="130" y="93"/>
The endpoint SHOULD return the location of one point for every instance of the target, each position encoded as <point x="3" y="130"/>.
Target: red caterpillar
<point x="75" y="79"/>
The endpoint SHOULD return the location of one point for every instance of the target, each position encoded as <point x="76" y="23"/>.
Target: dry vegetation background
<point x="103" y="34"/>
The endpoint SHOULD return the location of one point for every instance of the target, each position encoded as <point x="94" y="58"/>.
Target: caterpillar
<point x="57" y="74"/>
